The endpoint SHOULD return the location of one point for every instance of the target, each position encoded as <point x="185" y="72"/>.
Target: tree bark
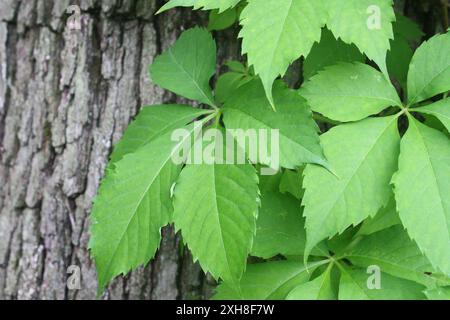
<point x="66" y="96"/>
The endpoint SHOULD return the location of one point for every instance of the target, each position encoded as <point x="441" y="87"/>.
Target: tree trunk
<point x="66" y="96"/>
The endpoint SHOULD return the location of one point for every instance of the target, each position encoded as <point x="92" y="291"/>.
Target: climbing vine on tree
<point x="368" y="191"/>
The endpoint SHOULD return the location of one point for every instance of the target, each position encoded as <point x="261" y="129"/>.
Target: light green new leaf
<point x="364" y="156"/>
<point x="320" y="288"/>
<point x="132" y="205"/>
<point x="354" y="286"/>
<point x="429" y="71"/>
<point x="280" y="228"/>
<point x="277" y="32"/>
<point x="438" y="293"/>
<point x="365" y="23"/>
<point x="187" y="66"/>
<point x="394" y="252"/>
<point x="221" y="5"/>
<point x="440" y="110"/>
<point x="422" y="189"/>
<point x="268" y="281"/>
<point x="152" y="122"/>
<point x="328" y="52"/>
<point x="215" y="209"/>
<point x="349" y="92"/>
<point x="298" y="137"/>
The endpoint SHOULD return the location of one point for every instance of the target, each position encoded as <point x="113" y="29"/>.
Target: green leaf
<point x="407" y="29"/>
<point x="398" y="60"/>
<point x="291" y="182"/>
<point x="394" y="253"/>
<point x="429" y="72"/>
<point x="132" y="205"/>
<point x="365" y="23"/>
<point x="187" y="66"/>
<point x="215" y="209"/>
<point x="399" y="57"/>
<point x="354" y="286"/>
<point x="364" y="157"/>
<point x="440" y="110"/>
<point x="438" y="293"/>
<point x="298" y="137"/>
<point x="385" y="218"/>
<point x="268" y="281"/>
<point x="318" y="289"/>
<point x="349" y="92"/>
<point x="152" y="122"/>
<point x="280" y="227"/>
<point x="236" y="66"/>
<point x="228" y="83"/>
<point x="422" y="186"/>
<point x="221" y="21"/>
<point x="277" y="32"/>
<point x="328" y="52"/>
<point x="221" y="5"/>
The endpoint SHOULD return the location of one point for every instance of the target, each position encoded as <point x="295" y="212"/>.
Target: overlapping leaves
<point x="376" y="183"/>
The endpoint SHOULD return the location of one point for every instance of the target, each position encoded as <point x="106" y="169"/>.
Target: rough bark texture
<point x="66" y="96"/>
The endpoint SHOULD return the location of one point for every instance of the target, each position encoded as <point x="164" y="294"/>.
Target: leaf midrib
<point x="194" y="81"/>
<point x="340" y="194"/>
<point x="422" y="140"/>
<point x="133" y="216"/>
<point x="261" y="122"/>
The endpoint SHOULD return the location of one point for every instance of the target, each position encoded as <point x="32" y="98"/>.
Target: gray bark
<point x="66" y="96"/>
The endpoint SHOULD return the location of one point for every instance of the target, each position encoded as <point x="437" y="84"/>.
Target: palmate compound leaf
<point x="356" y="285"/>
<point x="429" y="71"/>
<point x="349" y="92"/>
<point x="395" y="253"/>
<point x="221" y="5"/>
<point x="365" y="23"/>
<point x="320" y="288"/>
<point x="328" y="52"/>
<point x="277" y="32"/>
<point x="440" y="110"/>
<point x="187" y="66"/>
<point x="269" y="280"/>
<point x="132" y="205"/>
<point x="364" y="157"/>
<point x="298" y="133"/>
<point x="422" y="189"/>
<point x="152" y="122"/>
<point x="215" y="207"/>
